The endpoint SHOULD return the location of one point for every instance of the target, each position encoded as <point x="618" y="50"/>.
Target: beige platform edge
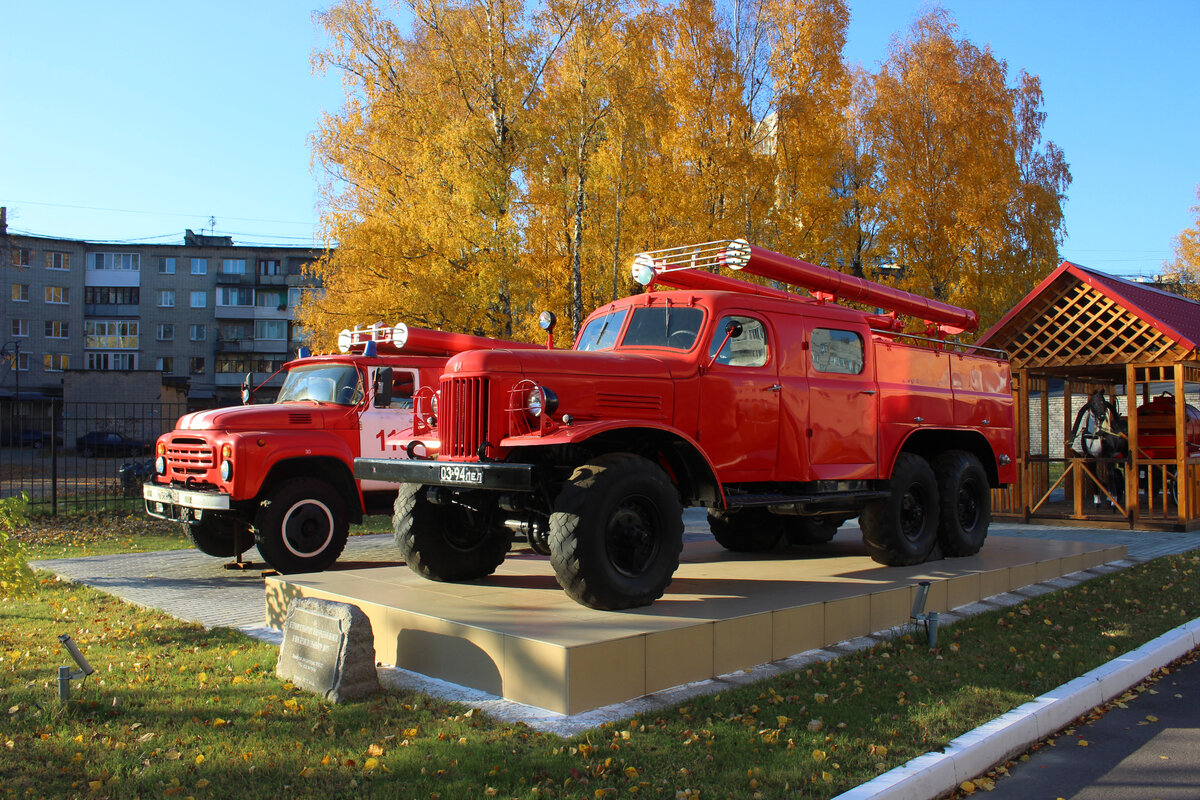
<point x="517" y="636"/>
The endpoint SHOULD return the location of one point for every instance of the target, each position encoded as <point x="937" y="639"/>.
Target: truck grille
<point x="464" y="416"/>
<point x="189" y="456"/>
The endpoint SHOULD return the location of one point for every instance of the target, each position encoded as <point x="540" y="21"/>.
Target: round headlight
<point x="160" y="465"/>
<point x="226" y="470"/>
<point x="433" y="402"/>
<point x="540" y="400"/>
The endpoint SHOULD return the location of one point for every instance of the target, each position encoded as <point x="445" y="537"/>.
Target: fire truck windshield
<point x="601" y="332"/>
<point x="322" y="383"/>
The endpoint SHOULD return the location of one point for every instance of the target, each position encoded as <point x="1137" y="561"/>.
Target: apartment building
<point x="203" y="313"/>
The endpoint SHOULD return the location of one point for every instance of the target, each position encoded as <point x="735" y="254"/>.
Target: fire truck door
<point x="739" y="402"/>
<point x="842" y="419"/>
<point x="377" y="425"/>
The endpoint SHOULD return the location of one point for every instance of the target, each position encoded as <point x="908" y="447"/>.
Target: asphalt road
<point x="1147" y="750"/>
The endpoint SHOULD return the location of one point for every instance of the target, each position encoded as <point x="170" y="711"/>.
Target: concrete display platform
<point x="516" y="634"/>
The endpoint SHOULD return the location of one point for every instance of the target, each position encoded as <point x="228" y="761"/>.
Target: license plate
<point x="469" y="475"/>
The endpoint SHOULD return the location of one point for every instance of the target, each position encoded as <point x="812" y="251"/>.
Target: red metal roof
<point x="1174" y="315"/>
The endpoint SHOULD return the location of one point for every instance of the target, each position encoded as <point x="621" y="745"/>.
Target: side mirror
<point x="382" y="388"/>
<point x="247" y="391"/>
<point x="733" y="329"/>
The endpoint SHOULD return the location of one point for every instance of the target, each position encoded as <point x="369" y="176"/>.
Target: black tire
<point x="451" y="541"/>
<point x="750" y="530"/>
<point x="966" y="503"/>
<point x="215" y="535"/>
<point x="802" y="531"/>
<point x="301" y="526"/>
<point x="903" y="528"/>
<point x="616" y="533"/>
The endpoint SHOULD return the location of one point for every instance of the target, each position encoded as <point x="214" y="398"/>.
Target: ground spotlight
<point x="65" y="675"/>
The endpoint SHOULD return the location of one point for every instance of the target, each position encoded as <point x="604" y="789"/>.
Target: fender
<point x="700" y="468"/>
<point x="928" y="442"/>
<point x="257" y="462"/>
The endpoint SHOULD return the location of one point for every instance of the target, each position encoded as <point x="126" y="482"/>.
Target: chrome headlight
<point x="540" y="400"/>
<point x="160" y="465"/>
<point x="226" y="470"/>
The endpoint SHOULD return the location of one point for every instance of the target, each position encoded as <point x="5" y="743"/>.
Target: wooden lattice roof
<point x="1086" y="324"/>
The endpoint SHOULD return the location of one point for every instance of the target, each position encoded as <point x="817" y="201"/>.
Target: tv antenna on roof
<point x="212" y="226"/>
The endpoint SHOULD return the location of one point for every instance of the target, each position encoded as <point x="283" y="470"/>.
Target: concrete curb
<point x="975" y="752"/>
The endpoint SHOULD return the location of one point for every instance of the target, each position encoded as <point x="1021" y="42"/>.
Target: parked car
<point x="109" y="443"/>
<point x="26" y="438"/>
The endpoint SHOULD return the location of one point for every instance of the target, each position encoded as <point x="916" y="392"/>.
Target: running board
<point x="806" y="503"/>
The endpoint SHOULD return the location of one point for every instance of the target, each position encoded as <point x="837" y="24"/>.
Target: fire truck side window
<point x="837" y="351"/>
<point x="403" y="384"/>
<point x="748" y="349"/>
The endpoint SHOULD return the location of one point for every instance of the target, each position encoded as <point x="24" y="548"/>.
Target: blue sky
<point x="135" y="120"/>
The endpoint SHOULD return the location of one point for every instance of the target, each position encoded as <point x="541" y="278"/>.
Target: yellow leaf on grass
<point x="218" y="722"/>
<point x="307" y="771"/>
<point x="199" y="759"/>
<point x="818" y="755"/>
<point x="370" y="764"/>
<point x="410" y="733"/>
<point x="374" y="750"/>
<point x="203" y="677"/>
<point x="631" y="772"/>
<point x="95" y="786"/>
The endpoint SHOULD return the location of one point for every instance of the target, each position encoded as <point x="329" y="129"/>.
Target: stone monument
<point x="328" y="649"/>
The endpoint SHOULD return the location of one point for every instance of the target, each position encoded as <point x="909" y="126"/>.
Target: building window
<point x="57" y="295"/>
<point x="112" y="295"/>
<point x="293" y="297"/>
<point x="199" y="266"/>
<point x="55" y="362"/>
<point x="119" y="261"/>
<point x="166" y="332"/>
<point x="166" y="298"/>
<point x="233" y="266"/>
<point x="233" y="332"/>
<point x="240" y="364"/>
<point x="270" y="329"/>
<point x="57" y="260"/>
<point x="271" y="299"/>
<point x="107" y="361"/>
<point x="166" y="364"/>
<point x="22" y="362"/>
<point x="166" y="265"/>
<point x="199" y="299"/>
<point x="196" y="365"/>
<point x="57" y="329"/>
<point x="21" y="256"/>
<point x="20" y="292"/>
<point x="110" y="334"/>
<point x="20" y="327"/>
<point x="198" y="333"/>
<point x="269" y="266"/>
<point x="235" y="296"/>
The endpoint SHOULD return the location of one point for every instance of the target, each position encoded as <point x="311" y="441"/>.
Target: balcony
<point x="110" y="310"/>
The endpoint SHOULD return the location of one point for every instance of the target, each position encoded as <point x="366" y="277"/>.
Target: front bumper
<point x="458" y="475"/>
<point x="180" y="505"/>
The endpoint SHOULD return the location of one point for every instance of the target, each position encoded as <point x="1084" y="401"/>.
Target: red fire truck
<point x="279" y="475"/>
<point x="784" y="415"/>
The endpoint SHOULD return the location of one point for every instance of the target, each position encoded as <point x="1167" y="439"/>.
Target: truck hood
<point x="306" y="416"/>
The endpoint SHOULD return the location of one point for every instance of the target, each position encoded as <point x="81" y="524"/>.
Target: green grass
<point x="175" y="710"/>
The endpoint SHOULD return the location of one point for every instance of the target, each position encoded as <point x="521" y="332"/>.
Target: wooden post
<point x="1183" y="509"/>
<point x="1132" y="501"/>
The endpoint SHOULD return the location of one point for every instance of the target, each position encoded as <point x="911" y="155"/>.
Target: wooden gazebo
<point x="1080" y="330"/>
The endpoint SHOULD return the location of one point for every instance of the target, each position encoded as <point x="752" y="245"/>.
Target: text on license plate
<point x="458" y="474"/>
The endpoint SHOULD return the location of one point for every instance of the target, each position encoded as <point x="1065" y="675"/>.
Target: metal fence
<point x="79" y="455"/>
